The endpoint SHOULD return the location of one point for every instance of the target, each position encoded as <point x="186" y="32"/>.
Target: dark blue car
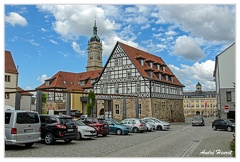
<point x="117" y="128"/>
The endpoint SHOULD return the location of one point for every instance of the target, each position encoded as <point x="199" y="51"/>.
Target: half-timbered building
<point x="150" y="87"/>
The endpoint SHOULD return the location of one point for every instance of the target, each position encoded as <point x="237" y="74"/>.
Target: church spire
<point x="95" y="37"/>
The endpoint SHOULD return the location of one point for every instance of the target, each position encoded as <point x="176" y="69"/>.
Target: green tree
<point x="44" y="101"/>
<point x="90" y="103"/>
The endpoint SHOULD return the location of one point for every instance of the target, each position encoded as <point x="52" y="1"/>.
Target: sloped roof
<point x="22" y="92"/>
<point x="134" y="54"/>
<point x="9" y="63"/>
<point x="70" y="81"/>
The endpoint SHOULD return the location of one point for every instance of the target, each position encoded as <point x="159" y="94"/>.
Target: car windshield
<point x="230" y="121"/>
<point x="142" y="121"/>
<point x="197" y="118"/>
<point x="79" y="123"/>
<point x="115" y="122"/>
<point x="156" y="120"/>
<point x="101" y="121"/>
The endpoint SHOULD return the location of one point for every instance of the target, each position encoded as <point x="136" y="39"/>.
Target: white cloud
<point x="202" y="72"/>
<point x="52" y="41"/>
<point x="212" y="22"/>
<point x="187" y="48"/>
<point x="76" y="48"/>
<point x="42" y="78"/>
<point x="14" y="18"/>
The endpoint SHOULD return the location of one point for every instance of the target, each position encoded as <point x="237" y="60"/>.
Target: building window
<point x="158" y="66"/>
<point x="7" y="96"/>
<point x="142" y="62"/>
<point x="229" y="96"/>
<point x="163" y="68"/>
<point x="129" y="75"/>
<point x="81" y="83"/>
<point x="159" y="76"/>
<point x="116" y="88"/>
<point x="150" y="74"/>
<point x="150" y="64"/>
<point x="7" y="78"/>
<point x="117" y="111"/>
<point x="138" y="87"/>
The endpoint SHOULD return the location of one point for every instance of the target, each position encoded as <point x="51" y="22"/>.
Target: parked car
<point x="150" y="127"/>
<point x="198" y="120"/>
<point x="137" y="125"/>
<point x="225" y="124"/>
<point x="101" y="126"/>
<point x="22" y="127"/>
<point x="159" y="124"/>
<point x="55" y="127"/>
<point x="117" y="128"/>
<point x="85" y="131"/>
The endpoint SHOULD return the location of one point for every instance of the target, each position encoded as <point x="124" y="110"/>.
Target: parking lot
<point x="182" y="140"/>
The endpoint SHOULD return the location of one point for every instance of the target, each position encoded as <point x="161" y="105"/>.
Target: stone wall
<point x="165" y="109"/>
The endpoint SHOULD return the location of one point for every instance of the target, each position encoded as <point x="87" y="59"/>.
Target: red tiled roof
<point x="134" y="54"/>
<point x="9" y="63"/>
<point x="22" y="92"/>
<point x="70" y="81"/>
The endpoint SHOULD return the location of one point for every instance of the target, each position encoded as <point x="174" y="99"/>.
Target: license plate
<point x="70" y="130"/>
<point x="28" y="130"/>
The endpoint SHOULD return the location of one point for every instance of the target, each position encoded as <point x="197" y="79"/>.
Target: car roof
<point x="20" y="111"/>
<point x="57" y="116"/>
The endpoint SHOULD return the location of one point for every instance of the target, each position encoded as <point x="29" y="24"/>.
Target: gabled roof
<point x="134" y="54"/>
<point x="70" y="81"/>
<point x="9" y="63"/>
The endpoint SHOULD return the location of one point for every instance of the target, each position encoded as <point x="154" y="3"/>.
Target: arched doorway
<point x="101" y="112"/>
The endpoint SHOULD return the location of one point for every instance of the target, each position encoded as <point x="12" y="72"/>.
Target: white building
<point x="224" y="74"/>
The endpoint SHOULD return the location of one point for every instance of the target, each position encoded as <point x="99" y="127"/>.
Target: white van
<point x="22" y="127"/>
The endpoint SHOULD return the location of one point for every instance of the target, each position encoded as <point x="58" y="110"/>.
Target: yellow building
<point x="199" y="102"/>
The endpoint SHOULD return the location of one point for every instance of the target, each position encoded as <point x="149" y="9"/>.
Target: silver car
<point x="137" y="125"/>
<point x="159" y="124"/>
<point x="22" y="127"/>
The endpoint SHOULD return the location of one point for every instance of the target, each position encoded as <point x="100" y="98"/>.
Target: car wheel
<point x="49" y="138"/>
<point x="68" y="140"/>
<point x="118" y="132"/>
<point x="229" y="129"/>
<point x="28" y="145"/>
<point x="79" y="136"/>
<point x="135" y="130"/>
<point x="159" y="127"/>
<point x="214" y="127"/>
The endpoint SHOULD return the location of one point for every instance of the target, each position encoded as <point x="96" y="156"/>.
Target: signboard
<point x="226" y="109"/>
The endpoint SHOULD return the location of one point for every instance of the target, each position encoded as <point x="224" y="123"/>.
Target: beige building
<point x="11" y="86"/>
<point x="199" y="102"/>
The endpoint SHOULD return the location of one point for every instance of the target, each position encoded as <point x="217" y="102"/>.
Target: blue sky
<point x="45" y="39"/>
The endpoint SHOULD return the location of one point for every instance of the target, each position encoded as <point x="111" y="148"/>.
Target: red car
<point x="101" y="126"/>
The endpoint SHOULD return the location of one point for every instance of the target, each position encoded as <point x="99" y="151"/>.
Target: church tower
<point x="94" y="52"/>
<point x="198" y="87"/>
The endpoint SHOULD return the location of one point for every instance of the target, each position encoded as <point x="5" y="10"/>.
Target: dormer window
<point x="151" y="64"/>
<point x="166" y="77"/>
<point x="159" y="76"/>
<point x="92" y="81"/>
<point x="163" y="68"/>
<point x="64" y="82"/>
<point x="47" y="82"/>
<point x="150" y="73"/>
<point x="172" y="78"/>
<point x="158" y="66"/>
<point x="82" y="82"/>
<point x="142" y="62"/>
